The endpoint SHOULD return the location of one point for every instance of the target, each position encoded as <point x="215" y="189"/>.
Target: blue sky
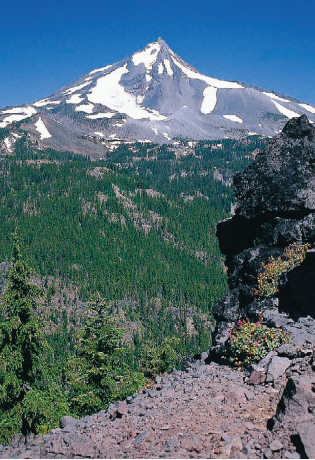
<point x="45" y="44"/>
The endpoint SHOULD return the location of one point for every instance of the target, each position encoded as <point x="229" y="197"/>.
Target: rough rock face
<point x="275" y="207"/>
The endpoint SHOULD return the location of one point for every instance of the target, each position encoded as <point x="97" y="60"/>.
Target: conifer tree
<point x="25" y="399"/>
<point x="99" y="375"/>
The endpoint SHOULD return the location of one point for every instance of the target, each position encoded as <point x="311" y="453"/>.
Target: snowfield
<point x="274" y="96"/>
<point x="209" y="100"/>
<point x="307" y="107"/>
<point x="109" y="92"/>
<point x="286" y="112"/>
<point x="211" y="81"/>
<point x="148" y="56"/>
<point x="41" y="128"/>
<point x="233" y="118"/>
<point x="75" y="99"/>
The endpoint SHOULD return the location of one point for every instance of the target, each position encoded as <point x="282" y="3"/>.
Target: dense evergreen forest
<point x="136" y="229"/>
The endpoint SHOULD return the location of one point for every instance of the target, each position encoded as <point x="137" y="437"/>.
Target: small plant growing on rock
<point x="268" y="279"/>
<point x="250" y="342"/>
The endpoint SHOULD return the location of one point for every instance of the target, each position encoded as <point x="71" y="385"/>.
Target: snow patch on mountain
<point x="41" y="128"/>
<point x="148" y="56"/>
<point x="101" y="69"/>
<point x="286" y="112"/>
<point x="87" y="108"/>
<point x="209" y="100"/>
<point x="274" y="96"/>
<point x="211" y="81"/>
<point x="233" y="118"/>
<point x="9" y="144"/>
<point x="308" y="107"/>
<point x="168" y="67"/>
<point x="44" y="102"/>
<point x="18" y="114"/>
<point x="160" y="68"/>
<point x="109" y="92"/>
<point x="101" y="115"/>
<point x="75" y="99"/>
<point x="77" y="88"/>
<point x="25" y="110"/>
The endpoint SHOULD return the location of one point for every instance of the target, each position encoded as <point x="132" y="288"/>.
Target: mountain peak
<point x="162" y="42"/>
<point x="154" y="95"/>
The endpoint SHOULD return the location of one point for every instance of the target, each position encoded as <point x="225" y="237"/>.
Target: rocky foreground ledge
<point x="205" y="411"/>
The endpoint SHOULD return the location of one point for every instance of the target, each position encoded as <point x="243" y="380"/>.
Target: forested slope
<point x="138" y="227"/>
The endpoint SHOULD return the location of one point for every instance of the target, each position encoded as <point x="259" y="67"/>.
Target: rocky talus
<point x="206" y="411"/>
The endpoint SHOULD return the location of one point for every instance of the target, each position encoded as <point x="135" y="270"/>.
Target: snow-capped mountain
<point x="151" y="96"/>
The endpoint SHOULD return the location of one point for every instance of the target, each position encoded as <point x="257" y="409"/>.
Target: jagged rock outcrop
<point x="275" y="208"/>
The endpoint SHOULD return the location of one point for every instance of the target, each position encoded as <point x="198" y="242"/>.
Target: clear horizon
<point x="46" y="45"/>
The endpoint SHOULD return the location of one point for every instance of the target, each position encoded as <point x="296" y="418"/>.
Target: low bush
<point x="250" y="342"/>
<point x="268" y="279"/>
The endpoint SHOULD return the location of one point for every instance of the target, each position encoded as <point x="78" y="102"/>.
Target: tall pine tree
<point x="27" y="394"/>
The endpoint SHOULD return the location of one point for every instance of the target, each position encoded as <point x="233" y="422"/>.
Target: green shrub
<point x="98" y="375"/>
<point x="156" y="360"/>
<point x="268" y="279"/>
<point x="250" y="342"/>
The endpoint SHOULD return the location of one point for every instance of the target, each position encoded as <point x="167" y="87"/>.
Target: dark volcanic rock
<point x="281" y="181"/>
<point x="275" y="204"/>
<point x="275" y="208"/>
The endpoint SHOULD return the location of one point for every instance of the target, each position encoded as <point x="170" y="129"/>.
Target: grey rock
<point x="306" y="431"/>
<point x="297" y="399"/>
<point x="249" y="395"/>
<point x="288" y="454"/>
<point x="17" y="440"/>
<point x="68" y="421"/>
<point x="227" y="307"/>
<point x="276" y="445"/>
<point x="118" y="409"/>
<point x="263" y="363"/>
<point x="141" y="437"/>
<point x="276" y="368"/>
<point x="255" y="375"/>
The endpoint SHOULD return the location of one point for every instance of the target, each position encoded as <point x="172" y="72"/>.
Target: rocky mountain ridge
<point x="151" y="96"/>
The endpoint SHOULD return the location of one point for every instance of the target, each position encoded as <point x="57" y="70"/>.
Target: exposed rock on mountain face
<point x="152" y="95"/>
